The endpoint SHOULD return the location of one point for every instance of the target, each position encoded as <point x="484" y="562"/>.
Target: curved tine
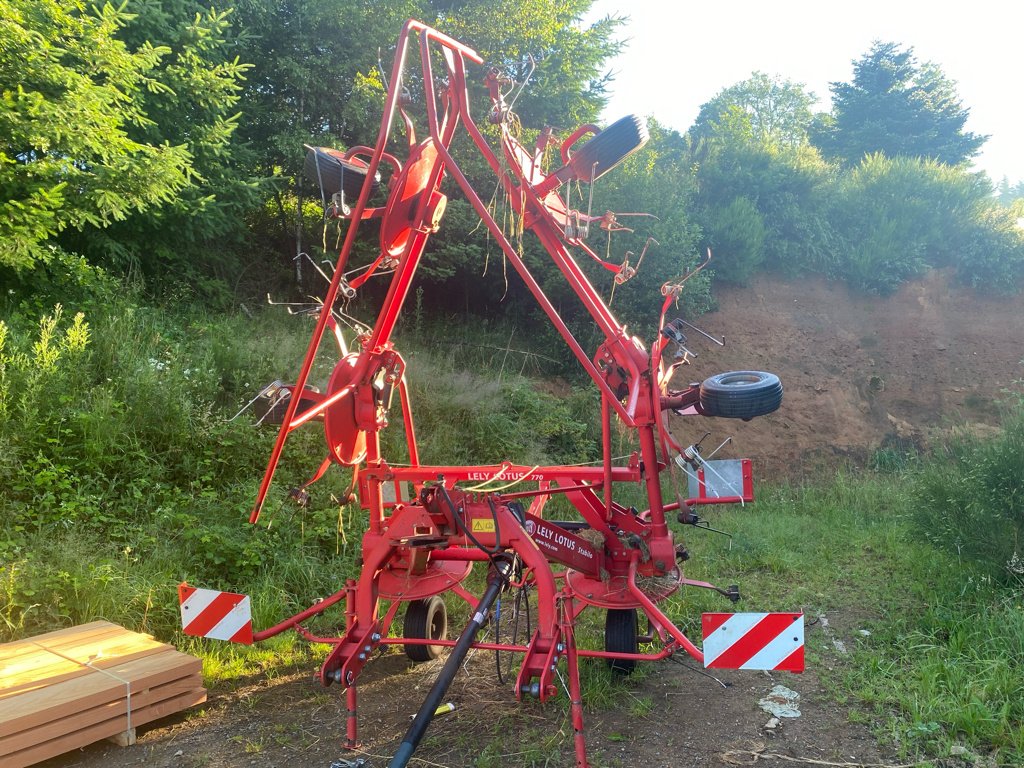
<point x="526" y="81"/>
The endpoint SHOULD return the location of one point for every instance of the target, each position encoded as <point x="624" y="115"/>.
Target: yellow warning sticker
<point x="482" y="525"/>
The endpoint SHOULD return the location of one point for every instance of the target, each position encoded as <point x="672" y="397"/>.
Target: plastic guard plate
<point x="754" y="641"/>
<point x="216" y="615"/>
<point x="723" y="481"/>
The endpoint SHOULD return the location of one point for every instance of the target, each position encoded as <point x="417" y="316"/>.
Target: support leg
<point x="351" y="724"/>
<point x="575" y="691"/>
<point x="351" y="721"/>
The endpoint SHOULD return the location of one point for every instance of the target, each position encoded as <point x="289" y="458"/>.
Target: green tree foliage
<point x="657" y="181"/>
<point x="736" y="233"/>
<point x="116" y="132"/>
<point x="767" y="110"/>
<point x="316" y="81"/>
<point x="766" y="195"/>
<point x="196" y="107"/>
<point x="750" y="143"/>
<point x="1007" y="193"/>
<point x="314" y="78"/>
<point x="900" y="216"/>
<point x="569" y="83"/>
<point x="899" y="107"/>
<point x="992" y="259"/>
<point x="71" y="111"/>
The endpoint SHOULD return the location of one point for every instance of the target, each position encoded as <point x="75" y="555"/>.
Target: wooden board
<point x="45" y="660"/>
<point x="111" y="711"/>
<point x="74" y="686"/>
<point x="46" y="703"/>
<point x="66" y="742"/>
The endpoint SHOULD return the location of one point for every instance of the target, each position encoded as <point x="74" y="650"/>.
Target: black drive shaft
<point x="444" y="680"/>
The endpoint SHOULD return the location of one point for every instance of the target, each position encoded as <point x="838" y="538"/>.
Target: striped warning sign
<point x="754" y="641"/>
<point x="216" y="615"/>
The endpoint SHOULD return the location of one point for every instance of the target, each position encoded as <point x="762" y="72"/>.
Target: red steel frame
<point x="415" y="549"/>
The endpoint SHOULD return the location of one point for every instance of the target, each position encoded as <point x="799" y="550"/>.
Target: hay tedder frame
<point x="428" y="525"/>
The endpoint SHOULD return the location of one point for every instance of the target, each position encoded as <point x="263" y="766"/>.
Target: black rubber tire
<point x="609" y="148"/>
<point x="740" y="394"/>
<point x="425" y="619"/>
<point x="275" y="414"/>
<point x="326" y="168"/>
<point x="621" y="635"/>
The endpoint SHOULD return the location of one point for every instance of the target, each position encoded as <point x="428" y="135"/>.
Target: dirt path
<point x="675" y="716"/>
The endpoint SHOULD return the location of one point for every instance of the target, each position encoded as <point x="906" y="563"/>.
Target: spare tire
<point x="329" y="170"/>
<point x="740" y="394"/>
<point x="609" y="148"/>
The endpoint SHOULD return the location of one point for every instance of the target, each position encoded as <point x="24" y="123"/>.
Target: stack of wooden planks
<point x="69" y="688"/>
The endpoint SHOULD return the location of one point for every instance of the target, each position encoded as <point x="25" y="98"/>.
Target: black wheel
<point x="425" y="620"/>
<point x="513" y="625"/>
<point x="621" y="635"/>
<point x="609" y="148"/>
<point x="279" y="405"/>
<point x="740" y="394"/>
<point x="326" y="168"/>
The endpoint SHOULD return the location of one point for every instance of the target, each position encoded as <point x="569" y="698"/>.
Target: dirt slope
<point x="861" y="372"/>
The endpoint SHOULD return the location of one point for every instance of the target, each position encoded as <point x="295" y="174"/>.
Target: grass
<point x="942" y="663"/>
<point x="120" y="477"/>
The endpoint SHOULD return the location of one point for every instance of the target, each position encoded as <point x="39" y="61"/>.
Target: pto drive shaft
<point x="444" y="680"/>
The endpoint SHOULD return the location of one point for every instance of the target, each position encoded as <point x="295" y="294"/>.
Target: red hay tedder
<point x="421" y="544"/>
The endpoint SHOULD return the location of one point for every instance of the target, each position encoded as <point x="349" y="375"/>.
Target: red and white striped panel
<point x="216" y="615"/>
<point x="754" y="641"/>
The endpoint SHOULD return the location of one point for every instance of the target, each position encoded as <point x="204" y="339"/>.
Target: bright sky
<point x="681" y="53"/>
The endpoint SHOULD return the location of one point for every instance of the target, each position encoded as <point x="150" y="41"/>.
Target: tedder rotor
<point x="428" y="525"/>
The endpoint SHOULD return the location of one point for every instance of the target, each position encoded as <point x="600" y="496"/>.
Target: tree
<point x="316" y="79"/>
<point x="314" y="73"/>
<point x="1008" y="194"/>
<point x="117" y="134"/>
<point x="898" y="107"/>
<point x="71" y="97"/>
<point x="770" y="111"/>
<point x="760" y="183"/>
<point x="195" y="106"/>
<point x="568" y="86"/>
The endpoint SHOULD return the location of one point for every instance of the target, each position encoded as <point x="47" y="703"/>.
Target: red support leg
<point x="351" y="724"/>
<point x="351" y="717"/>
<point x="575" y="690"/>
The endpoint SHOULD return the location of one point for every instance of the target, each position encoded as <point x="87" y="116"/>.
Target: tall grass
<point x="972" y="505"/>
<point x="118" y="451"/>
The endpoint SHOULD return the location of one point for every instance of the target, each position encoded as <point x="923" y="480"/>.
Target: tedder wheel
<point x="425" y="619"/>
<point x="274" y="415"/>
<point x="621" y="633"/>
<point x="609" y="148"/>
<point x="740" y="394"/>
